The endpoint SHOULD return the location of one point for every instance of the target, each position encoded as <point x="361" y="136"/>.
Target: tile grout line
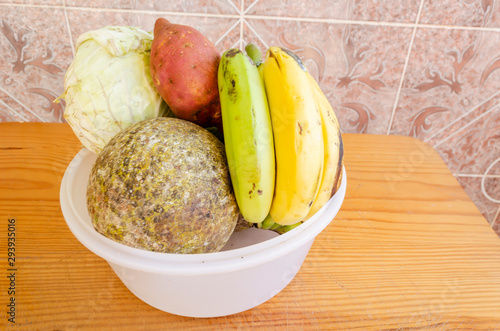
<point x="264" y="17"/>
<point x="235" y="45"/>
<point x="245" y="11"/>
<point x="483" y="188"/>
<point x="22" y="104"/>
<point x="497" y="215"/>
<point x="227" y="32"/>
<point x="468" y="124"/>
<point x="233" y="5"/>
<point x="462" y="175"/>
<point x="462" y="116"/>
<point x="68" y="26"/>
<point x="250" y="7"/>
<point x="373" y="23"/>
<point x="257" y="35"/>
<point x="457" y="27"/>
<point x="13" y="110"/>
<point x="242" y="23"/>
<point x="405" y="66"/>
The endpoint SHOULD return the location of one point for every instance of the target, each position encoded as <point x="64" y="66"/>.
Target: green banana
<point x="247" y="133"/>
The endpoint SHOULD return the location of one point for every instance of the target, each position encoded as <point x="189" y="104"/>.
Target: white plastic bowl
<point x="197" y="285"/>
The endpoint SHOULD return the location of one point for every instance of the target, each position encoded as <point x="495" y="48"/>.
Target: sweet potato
<point x="184" y="67"/>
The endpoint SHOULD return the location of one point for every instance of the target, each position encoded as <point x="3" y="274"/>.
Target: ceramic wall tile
<point x="109" y="4"/>
<point x="234" y="36"/>
<point x="15" y="110"/>
<point x="493" y="170"/>
<point x="35" y="48"/>
<point x="362" y="10"/>
<point x="364" y="92"/>
<point x="496" y="222"/>
<point x="330" y="9"/>
<point x="226" y="7"/>
<point x="490" y="186"/>
<point x="404" y="11"/>
<point x="450" y="72"/>
<point x="190" y="7"/>
<point x="477" y="13"/>
<point x="34" y="2"/>
<point x="488" y="207"/>
<point x="474" y="149"/>
<point x="464" y="122"/>
<point x="82" y="20"/>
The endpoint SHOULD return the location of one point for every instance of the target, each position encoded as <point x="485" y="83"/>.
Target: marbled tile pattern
<point x="422" y="68"/>
<point x="477" y="13"/>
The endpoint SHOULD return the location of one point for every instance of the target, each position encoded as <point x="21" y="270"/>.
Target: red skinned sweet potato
<point x="184" y="67"/>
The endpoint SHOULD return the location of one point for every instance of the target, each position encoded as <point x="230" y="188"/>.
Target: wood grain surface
<point x="408" y="250"/>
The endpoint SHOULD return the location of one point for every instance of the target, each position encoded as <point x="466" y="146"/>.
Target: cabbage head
<point x="108" y="86"/>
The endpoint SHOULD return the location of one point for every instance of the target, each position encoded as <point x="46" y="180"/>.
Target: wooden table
<point x="407" y="250"/>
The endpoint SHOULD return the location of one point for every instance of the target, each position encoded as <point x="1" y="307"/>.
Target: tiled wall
<point x="423" y="68"/>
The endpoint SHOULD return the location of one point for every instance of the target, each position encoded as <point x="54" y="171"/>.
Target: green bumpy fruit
<point x="163" y="185"/>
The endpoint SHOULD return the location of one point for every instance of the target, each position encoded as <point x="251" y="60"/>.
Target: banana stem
<point x="254" y="53"/>
<point x="275" y="227"/>
<point x="286" y="228"/>
<point x="267" y="223"/>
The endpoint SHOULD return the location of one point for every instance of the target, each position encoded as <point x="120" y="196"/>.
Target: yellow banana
<point x="298" y="137"/>
<point x="255" y="54"/>
<point x="334" y="149"/>
<point x="248" y="134"/>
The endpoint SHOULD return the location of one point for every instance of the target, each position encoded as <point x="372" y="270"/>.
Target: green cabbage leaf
<point x="108" y="85"/>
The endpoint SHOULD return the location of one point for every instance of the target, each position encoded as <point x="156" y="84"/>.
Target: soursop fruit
<point x="163" y="185"/>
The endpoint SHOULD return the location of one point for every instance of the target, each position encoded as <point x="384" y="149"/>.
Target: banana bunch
<point x="282" y="137"/>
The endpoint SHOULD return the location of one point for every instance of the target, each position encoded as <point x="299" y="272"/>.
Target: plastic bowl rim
<point x="188" y="264"/>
